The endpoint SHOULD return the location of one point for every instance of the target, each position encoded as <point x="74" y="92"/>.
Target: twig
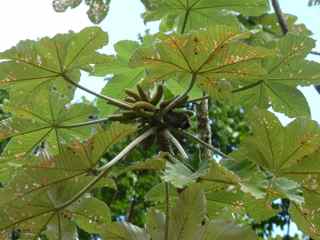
<point x="209" y="146"/>
<point x="315" y="53"/>
<point x="281" y="19"/>
<point x="110" y="100"/>
<point x="106" y="167"/>
<point x="177" y="144"/>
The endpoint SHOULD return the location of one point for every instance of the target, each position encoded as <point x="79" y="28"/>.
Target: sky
<point x="33" y="19"/>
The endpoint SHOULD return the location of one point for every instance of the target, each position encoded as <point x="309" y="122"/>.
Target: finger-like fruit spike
<point x="130" y="115"/>
<point x="143" y="105"/>
<point x="181" y="102"/>
<point x="144" y="113"/>
<point x="130" y="100"/>
<point x="166" y="103"/>
<point x="132" y="94"/>
<point x="143" y="95"/>
<point x="157" y="95"/>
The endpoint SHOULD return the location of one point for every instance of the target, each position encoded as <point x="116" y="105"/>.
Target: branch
<point x="85" y="123"/>
<point x="204" y="127"/>
<point x="177" y="144"/>
<point x="209" y="146"/>
<point x="315" y="53"/>
<point x="106" y="167"/>
<point x="281" y="19"/>
<point x="110" y="100"/>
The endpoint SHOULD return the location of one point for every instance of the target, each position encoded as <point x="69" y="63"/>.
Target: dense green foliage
<point x="90" y="168"/>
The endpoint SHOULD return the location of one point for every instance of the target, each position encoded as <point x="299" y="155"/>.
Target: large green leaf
<point x="187" y="214"/>
<point x="215" y="56"/>
<point x="275" y="147"/>
<point x="194" y="14"/>
<point x="32" y="200"/>
<point x="284" y="72"/>
<point x="33" y="64"/>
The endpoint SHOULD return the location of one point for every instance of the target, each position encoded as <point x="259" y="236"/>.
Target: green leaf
<point x="227" y="230"/>
<point x="35" y="64"/>
<point x="180" y="175"/>
<point x="215" y="56"/>
<point x="32" y="198"/>
<point x="124" y="231"/>
<point x="270" y="24"/>
<point x="284" y="72"/>
<point x="124" y="76"/>
<point x="92" y="215"/>
<point x="41" y="125"/>
<point x="187" y="15"/>
<point x="275" y="147"/>
<point x="187" y="215"/>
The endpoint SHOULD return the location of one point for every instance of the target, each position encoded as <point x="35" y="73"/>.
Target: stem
<point x="106" y="167"/>
<point x="110" y="100"/>
<point x="281" y="19"/>
<point x="166" y="235"/>
<point x="209" y="146"/>
<point x="173" y="103"/>
<point x="84" y="123"/>
<point x="177" y="144"/>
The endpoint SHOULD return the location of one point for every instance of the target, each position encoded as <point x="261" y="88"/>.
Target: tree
<point x="58" y="168"/>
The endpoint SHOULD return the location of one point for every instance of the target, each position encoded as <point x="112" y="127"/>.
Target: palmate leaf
<point x="123" y="76"/>
<point x="284" y="72"/>
<point x="291" y="155"/>
<point x="275" y="147"/>
<point x="307" y="172"/>
<point x="214" y="55"/>
<point x="33" y="64"/>
<point x="32" y="200"/>
<point x="194" y="14"/>
<point x="41" y="124"/>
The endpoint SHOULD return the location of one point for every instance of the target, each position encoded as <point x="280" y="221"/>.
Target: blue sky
<point x="33" y="19"/>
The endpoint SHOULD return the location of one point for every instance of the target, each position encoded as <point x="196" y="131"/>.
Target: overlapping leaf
<point x="34" y="200"/>
<point x="32" y="64"/>
<point x="284" y="72"/>
<point x="215" y="56"/>
<point x="194" y="14"/>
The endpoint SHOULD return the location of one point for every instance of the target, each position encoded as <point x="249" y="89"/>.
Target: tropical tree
<point x="63" y="160"/>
